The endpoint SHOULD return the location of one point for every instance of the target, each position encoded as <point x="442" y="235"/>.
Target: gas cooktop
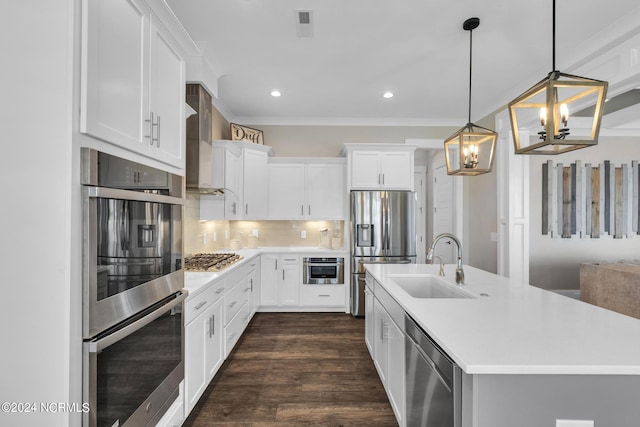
<point x="210" y="262"/>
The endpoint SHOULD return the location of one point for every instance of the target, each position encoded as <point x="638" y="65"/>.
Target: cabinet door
<point x="380" y="346"/>
<point x="369" y="321"/>
<point x="286" y="191"/>
<point x="167" y="95"/>
<point x="325" y="191"/>
<point x="214" y="355"/>
<point x="396" y="169"/>
<point x="255" y="185"/>
<point x="196" y="346"/>
<point x="114" y="74"/>
<point x="290" y="285"/>
<point x="254" y="286"/>
<point x="232" y="172"/>
<point x="365" y="170"/>
<point x="269" y="282"/>
<point x="395" y="370"/>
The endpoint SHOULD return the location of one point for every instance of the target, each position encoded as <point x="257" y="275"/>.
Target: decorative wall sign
<point x="590" y="200"/>
<point x="243" y="133"/>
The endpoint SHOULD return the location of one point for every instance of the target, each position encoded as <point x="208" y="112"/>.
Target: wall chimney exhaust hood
<point x="199" y="161"/>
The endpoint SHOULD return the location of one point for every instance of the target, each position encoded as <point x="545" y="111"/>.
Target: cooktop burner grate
<point x="210" y="262"/>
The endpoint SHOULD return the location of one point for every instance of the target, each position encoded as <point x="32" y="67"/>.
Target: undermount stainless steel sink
<point x="428" y="287"/>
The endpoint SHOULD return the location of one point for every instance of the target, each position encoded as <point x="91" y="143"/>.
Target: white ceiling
<point x="361" y="48"/>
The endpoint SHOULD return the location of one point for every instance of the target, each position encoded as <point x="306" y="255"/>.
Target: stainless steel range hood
<point x="199" y="173"/>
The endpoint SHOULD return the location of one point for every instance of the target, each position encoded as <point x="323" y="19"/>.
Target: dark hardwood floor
<point x="297" y="369"/>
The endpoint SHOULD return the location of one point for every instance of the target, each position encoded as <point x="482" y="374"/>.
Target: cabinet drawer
<point x="234" y="299"/>
<point x="198" y="304"/>
<point x="233" y="331"/>
<point x="323" y="295"/>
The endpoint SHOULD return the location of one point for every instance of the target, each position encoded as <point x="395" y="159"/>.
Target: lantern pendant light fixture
<point x="549" y="104"/>
<point x="469" y="151"/>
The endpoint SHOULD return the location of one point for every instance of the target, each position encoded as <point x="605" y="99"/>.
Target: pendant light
<point x="469" y="151"/>
<point x="540" y="117"/>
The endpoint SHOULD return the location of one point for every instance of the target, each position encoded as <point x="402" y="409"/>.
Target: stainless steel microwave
<point x="323" y="271"/>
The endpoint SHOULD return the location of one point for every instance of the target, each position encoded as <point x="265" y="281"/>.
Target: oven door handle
<point x="138" y="196"/>
<point x="101" y="344"/>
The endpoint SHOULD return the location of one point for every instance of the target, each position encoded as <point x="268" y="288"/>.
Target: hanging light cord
<point x="553" y="37"/>
<point x="470" y="64"/>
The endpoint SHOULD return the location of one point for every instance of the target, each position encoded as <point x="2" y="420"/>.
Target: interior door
<point x="443" y="213"/>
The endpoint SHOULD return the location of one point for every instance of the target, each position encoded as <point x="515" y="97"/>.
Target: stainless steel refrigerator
<point x="382" y="231"/>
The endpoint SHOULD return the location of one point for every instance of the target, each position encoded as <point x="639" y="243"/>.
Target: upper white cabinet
<point x="255" y="185"/>
<point x="312" y="189"/>
<point x="133" y="80"/>
<point x="240" y="169"/>
<point x="380" y="167"/>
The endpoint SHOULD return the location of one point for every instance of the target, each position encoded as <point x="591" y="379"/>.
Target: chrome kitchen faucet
<point x="459" y="270"/>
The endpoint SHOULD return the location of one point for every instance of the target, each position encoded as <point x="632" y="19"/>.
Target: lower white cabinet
<point x="280" y="280"/>
<point x="386" y="342"/>
<point x="203" y="349"/>
<point x="323" y="295"/>
<point x="214" y="321"/>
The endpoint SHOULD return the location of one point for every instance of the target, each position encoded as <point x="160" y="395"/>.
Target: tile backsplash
<point x="210" y="236"/>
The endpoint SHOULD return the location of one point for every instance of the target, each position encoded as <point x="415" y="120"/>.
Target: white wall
<point x="327" y="141"/>
<point x="555" y="263"/>
<point x="35" y="127"/>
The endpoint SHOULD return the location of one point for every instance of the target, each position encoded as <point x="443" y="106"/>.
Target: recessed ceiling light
<point x="387" y="95"/>
<point x="275" y="93"/>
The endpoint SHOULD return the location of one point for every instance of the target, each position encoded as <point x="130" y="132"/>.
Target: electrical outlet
<point x="493" y="236"/>
<point x="255" y="233"/>
<point x="303" y="234"/>
<point x="574" y="423"/>
<point x="204" y="238"/>
<point x="215" y="236"/>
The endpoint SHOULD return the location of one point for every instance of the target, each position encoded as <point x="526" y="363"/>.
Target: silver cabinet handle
<point x="202" y="304"/>
<point x="382" y="179"/>
<point x="158" y="132"/>
<point x="309" y="210"/>
<point x="282" y="274"/>
<point x="251" y="284"/>
<point x="219" y="291"/>
<point x="324" y="295"/>
<point x="246" y="209"/>
<point x="276" y="263"/>
<point x="233" y="208"/>
<point x="301" y="209"/>
<point x="150" y="121"/>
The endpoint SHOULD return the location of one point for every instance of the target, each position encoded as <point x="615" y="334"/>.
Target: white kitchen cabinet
<point x="280" y="280"/>
<point x="290" y="285"/>
<point x="311" y="190"/>
<point x="132" y="81"/>
<point x="255" y="188"/>
<point x="369" y="321"/>
<point x="203" y="348"/>
<point x="325" y="190"/>
<point x="254" y="286"/>
<point x="227" y="176"/>
<point x="390" y="169"/>
<point x="386" y="342"/>
<point x="286" y="191"/>
<point x="269" y="283"/>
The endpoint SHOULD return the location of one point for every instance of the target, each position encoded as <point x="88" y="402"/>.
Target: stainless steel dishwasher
<point x="433" y="382"/>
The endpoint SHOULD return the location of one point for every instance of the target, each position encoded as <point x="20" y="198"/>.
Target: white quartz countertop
<point x="196" y="281"/>
<point x="517" y="328"/>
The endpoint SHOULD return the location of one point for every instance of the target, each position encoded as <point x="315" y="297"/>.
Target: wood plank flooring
<point x="297" y="369"/>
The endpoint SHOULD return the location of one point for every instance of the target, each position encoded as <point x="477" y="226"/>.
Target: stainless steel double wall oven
<point x="132" y="290"/>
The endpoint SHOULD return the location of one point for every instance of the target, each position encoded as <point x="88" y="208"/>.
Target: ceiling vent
<point x="304" y="23"/>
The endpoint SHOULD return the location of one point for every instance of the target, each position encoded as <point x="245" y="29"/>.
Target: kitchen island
<point x="529" y="357"/>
